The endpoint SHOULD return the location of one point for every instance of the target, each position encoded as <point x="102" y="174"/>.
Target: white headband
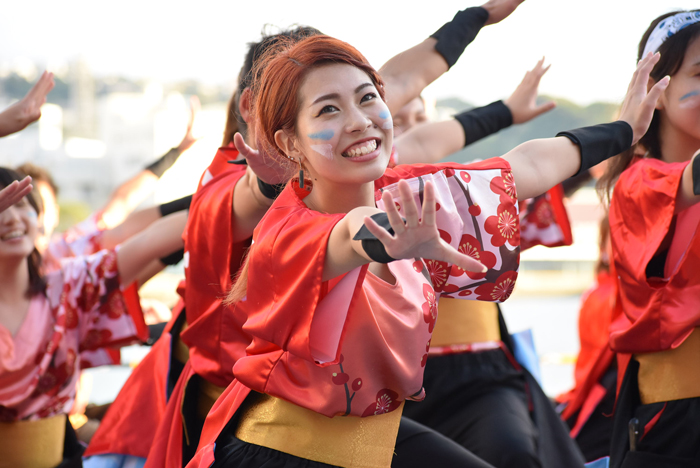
<point x="667" y="28"/>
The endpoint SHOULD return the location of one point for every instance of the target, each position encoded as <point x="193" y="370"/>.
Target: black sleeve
<point x="481" y="122"/>
<point x="162" y="164"/>
<point x="373" y="246"/>
<point x="175" y="205"/>
<point x="696" y="175"/>
<point x="455" y="36"/>
<point x="174" y="258"/>
<point x="600" y="142"/>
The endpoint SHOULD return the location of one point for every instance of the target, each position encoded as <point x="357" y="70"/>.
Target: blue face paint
<point x="689" y="95"/>
<point x="384" y="114"/>
<point x="322" y="135"/>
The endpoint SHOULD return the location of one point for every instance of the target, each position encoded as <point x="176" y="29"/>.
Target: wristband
<point x="269" y="190"/>
<point x="164" y="162"/>
<point x="483" y="121"/>
<point x="174" y="258"/>
<point x="696" y="175"/>
<point x="600" y="142"/>
<point x="372" y="246"/>
<point x="455" y="36"/>
<point x="175" y="206"/>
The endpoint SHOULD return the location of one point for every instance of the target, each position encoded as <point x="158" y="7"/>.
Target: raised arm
<point x="538" y="165"/>
<point x="160" y="239"/>
<point x="409" y="72"/>
<point x="358" y="239"/>
<point x="131" y="193"/>
<point x="28" y="109"/>
<point x="429" y="143"/>
<point x="14" y="192"/>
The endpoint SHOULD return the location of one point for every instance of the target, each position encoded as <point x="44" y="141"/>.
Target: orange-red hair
<point x="276" y="86"/>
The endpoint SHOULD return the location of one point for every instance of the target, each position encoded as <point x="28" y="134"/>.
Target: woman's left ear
<point x="288" y="143"/>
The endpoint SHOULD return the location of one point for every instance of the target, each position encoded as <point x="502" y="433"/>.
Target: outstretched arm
<point x="409" y="72"/>
<point x="418" y="237"/>
<point x="128" y="195"/>
<point x="160" y="239"/>
<point x="28" y="109"/>
<point x="429" y="143"/>
<point x="538" y="165"/>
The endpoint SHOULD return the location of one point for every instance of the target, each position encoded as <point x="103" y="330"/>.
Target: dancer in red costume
<point x="212" y="358"/>
<point x="654" y="217"/>
<point x="46" y="321"/>
<point x="322" y="325"/>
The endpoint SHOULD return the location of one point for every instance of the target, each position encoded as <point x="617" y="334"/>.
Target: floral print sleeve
<point x="90" y="305"/>
<point x="477" y="213"/>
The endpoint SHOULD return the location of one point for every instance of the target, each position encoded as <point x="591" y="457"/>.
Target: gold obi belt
<point x="673" y="374"/>
<point x="33" y="444"/>
<point x="348" y="441"/>
<point x="461" y="322"/>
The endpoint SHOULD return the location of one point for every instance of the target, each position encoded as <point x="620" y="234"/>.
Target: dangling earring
<point x="301" y="175"/>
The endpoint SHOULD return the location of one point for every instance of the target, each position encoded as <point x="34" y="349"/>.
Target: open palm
<point x="418" y="237"/>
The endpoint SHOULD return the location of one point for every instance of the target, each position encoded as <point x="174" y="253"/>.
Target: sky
<point x="591" y="44"/>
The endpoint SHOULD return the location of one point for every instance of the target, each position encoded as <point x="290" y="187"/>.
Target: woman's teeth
<point x="366" y="148"/>
<point x="13" y="235"/>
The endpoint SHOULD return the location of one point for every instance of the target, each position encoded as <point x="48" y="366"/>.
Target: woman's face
<point x="344" y="131"/>
<point x="18" y="230"/>
<point x="680" y="102"/>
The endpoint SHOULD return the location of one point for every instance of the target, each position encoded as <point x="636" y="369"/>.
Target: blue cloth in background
<point x="525" y="353"/>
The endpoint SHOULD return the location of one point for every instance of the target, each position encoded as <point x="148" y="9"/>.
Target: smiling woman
<point x="46" y="321"/>
<point x="343" y="277"/>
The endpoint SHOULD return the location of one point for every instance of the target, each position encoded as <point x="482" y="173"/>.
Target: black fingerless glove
<point x="600" y="142"/>
<point x="174" y="258"/>
<point x="483" y="121"/>
<point x="164" y="162"/>
<point x="455" y="36"/>
<point x="370" y="244"/>
<point x="269" y="190"/>
<point x="175" y="205"/>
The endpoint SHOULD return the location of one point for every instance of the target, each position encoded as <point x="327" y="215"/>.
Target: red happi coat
<point x="131" y="424"/>
<point x="659" y="313"/>
<point x="544" y="220"/>
<point x="356" y="345"/>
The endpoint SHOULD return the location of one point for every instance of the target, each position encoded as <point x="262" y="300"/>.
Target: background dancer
<point x="47" y="320"/>
<point x="654" y="216"/>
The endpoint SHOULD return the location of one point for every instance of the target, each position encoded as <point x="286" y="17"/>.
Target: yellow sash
<point x="461" y="322"/>
<point x="347" y="441"/>
<point x="673" y="374"/>
<point x="32" y="444"/>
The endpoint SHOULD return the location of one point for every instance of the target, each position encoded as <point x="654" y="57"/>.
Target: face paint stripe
<point x="384" y="114"/>
<point x="322" y="135"/>
<point x="689" y="95"/>
<point x="324" y="150"/>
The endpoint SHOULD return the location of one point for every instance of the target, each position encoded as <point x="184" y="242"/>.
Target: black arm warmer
<point x="483" y="121"/>
<point x="373" y="246"/>
<point x="600" y="142"/>
<point x="696" y="175"/>
<point x="268" y="190"/>
<point x="175" y="205"/>
<point x="174" y="258"/>
<point x="455" y="36"/>
<point x="163" y="163"/>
